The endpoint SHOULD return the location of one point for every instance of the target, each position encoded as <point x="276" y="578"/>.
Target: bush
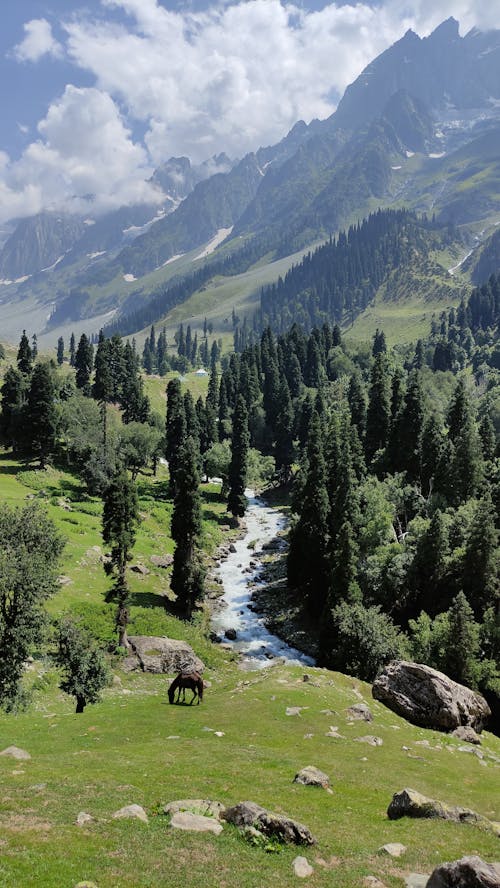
<point x="365" y="639"/>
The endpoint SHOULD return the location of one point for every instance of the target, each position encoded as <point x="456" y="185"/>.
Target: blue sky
<point x="96" y="93"/>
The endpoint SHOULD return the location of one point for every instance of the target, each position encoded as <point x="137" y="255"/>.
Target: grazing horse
<point x="183" y="680"/>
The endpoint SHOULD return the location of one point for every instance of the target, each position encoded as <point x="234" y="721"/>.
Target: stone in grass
<point x="204" y="807"/>
<point x="373" y="882"/>
<point x="416" y="880"/>
<point x="15" y="752"/>
<point x="468" y="872"/>
<point x="467" y="734"/>
<point x="195" y="823"/>
<point x="410" y="803"/>
<point x="370" y="739"/>
<point x="393" y="849"/>
<point x="86" y="884"/>
<point x="360" y="711"/>
<point x="302" y="868"/>
<point x="83" y="818"/>
<point x="132" y="811"/>
<point x="311" y="776"/>
<point x="277" y="826"/>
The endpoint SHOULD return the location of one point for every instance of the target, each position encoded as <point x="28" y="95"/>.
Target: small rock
<point x="132" y="811"/>
<point x="312" y="776"/>
<point x="64" y="580"/>
<point x="83" y="818"/>
<point x="467" y="734"/>
<point x="334" y="732"/>
<point x="195" y="823"/>
<point x="86" y="884"/>
<point x="373" y="882"/>
<point x="416" y="880"/>
<point x="219" y="733"/>
<point x="393" y="849"/>
<point x="203" y="807"/>
<point x="277" y="826"/>
<point x="294" y="710"/>
<point x="162" y="560"/>
<point x="15" y="752"/>
<point x="140" y="569"/>
<point x="302" y="868"/>
<point x="410" y="803"/>
<point x="231" y="634"/>
<point x="306" y="677"/>
<point x="370" y="739"/>
<point x="360" y="711"/>
<point x="232" y="547"/>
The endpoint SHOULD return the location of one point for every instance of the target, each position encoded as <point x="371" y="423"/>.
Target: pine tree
<point x="460" y="657"/>
<point x="308" y="564"/>
<point x="430" y="454"/>
<point x="13" y="398"/>
<point x="237" y="501"/>
<point x="41" y="419"/>
<point x="187" y="573"/>
<point x="84" y="359"/>
<point x="284" y="449"/>
<point x="72" y="350"/>
<point x="488" y="436"/>
<point x="379" y="410"/>
<point x="357" y="403"/>
<point x="60" y="351"/>
<point x="120" y="518"/>
<point x="481" y="567"/>
<point x="458" y="410"/>
<point x="24" y="355"/>
<point x="34" y="347"/>
<point x="410" y="429"/>
<point x="466" y="468"/>
<point x="175" y="433"/>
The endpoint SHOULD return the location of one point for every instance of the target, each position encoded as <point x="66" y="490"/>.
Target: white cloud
<point x="38" y="41"/>
<point x="85" y="160"/>
<point x="231" y="78"/>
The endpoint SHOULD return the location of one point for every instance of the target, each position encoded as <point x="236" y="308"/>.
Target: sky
<point x="94" y="94"/>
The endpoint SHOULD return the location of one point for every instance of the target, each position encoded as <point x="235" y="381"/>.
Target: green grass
<point x="123" y="751"/>
<point x="119" y="752"/>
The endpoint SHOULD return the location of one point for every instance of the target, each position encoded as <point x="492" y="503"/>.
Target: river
<point x="257" y="646"/>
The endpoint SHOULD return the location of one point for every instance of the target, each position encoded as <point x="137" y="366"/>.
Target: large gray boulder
<point x="428" y="698"/>
<point x="162" y="654"/>
<point x="277" y="826"/>
<point x="410" y="803"/>
<point x="469" y="872"/>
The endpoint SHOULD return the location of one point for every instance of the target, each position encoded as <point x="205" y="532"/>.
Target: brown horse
<point x="191" y="680"/>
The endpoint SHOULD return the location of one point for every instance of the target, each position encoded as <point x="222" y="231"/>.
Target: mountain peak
<point x="447" y="30"/>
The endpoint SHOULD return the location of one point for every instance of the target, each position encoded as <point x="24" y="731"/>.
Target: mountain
<point x="419" y="128"/>
<point x="38" y="242"/>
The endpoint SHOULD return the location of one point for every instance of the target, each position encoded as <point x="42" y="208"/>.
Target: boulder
<point x="311" y="776"/>
<point x="195" y="823"/>
<point x="231" y="634"/>
<point x="428" y="698"/>
<point x="161" y="654"/>
<point x="131" y="811"/>
<point x="203" y="807"/>
<point x="468" y="735"/>
<point x="277" y="826"/>
<point x="410" y="803"/>
<point x="162" y="560"/>
<point x="360" y="711"/>
<point x="469" y="872"/>
<point x="16" y="753"/>
<point x="302" y="868"/>
<point x="393" y="849"/>
<point x="140" y="569"/>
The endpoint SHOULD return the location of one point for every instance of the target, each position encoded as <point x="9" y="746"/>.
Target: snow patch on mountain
<point x="214" y="243"/>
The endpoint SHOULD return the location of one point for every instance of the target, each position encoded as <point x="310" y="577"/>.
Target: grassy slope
<point x="123" y="750"/>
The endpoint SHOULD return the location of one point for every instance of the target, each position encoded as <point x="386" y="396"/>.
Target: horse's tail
<point x="200" y="688"/>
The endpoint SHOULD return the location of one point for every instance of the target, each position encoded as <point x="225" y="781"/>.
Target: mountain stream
<point x="257" y="646"/>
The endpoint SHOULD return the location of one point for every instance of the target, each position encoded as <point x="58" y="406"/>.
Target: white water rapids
<point x="257" y="646"/>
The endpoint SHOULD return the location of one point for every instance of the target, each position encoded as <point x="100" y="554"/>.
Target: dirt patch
<point x="21" y="823"/>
